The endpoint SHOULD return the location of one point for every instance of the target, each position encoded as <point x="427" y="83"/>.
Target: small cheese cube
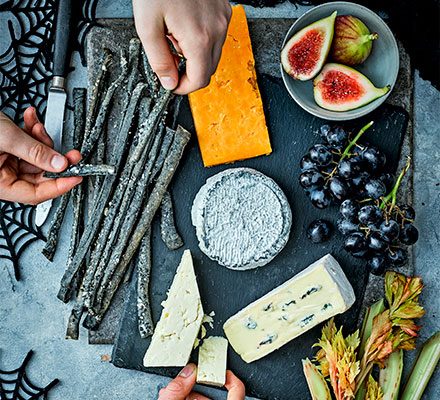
<point x="211" y="369"/>
<point x="314" y="295"/>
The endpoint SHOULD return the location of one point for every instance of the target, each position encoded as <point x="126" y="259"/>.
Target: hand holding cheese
<point x="197" y="29"/>
<point x="181" y="387"/>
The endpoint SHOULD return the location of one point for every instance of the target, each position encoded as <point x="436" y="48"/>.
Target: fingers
<point x="30" y="119"/>
<point x="181" y="386"/>
<point x="235" y="387"/>
<point x="196" y="396"/>
<point x="15" y="141"/>
<point x="34" y="193"/>
<point x="151" y="31"/>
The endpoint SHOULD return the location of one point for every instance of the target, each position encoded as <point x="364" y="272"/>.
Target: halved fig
<point x="305" y="53"/>
<point x="341" y="88"/>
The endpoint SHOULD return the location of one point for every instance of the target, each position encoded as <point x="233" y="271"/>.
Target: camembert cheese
<point x="180" y="321"/>
<point x="211" y="369"/>
<point x="314" y="295"/>
<point x="228" y="113"/>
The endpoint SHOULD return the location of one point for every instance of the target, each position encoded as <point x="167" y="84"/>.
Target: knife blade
<point x="56" y="101"/>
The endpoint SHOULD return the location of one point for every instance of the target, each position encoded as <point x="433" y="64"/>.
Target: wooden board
<point x="292" y="132"/>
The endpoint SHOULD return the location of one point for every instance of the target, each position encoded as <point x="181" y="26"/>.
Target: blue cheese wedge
<point x="180" y="321"/>
<point x="314" y="295"/>
<point x="211" y="368"/>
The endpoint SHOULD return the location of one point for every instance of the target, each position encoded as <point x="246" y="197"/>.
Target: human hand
<point x="24" y="155"/>
<point x="197" y="29"/>
<point x="180" y="388"/>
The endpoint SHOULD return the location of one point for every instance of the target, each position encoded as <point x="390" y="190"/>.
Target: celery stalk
<point x="367" y="325"/>
<point x="390" y="376"/>
<point x="317" y="385"/>
<point x="423" y="369"/>
<point x="372" y="311"/>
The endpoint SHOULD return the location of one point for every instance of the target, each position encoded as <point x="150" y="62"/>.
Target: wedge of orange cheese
<point x="228" y="113"/>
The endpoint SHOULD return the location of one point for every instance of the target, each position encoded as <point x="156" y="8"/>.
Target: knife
<point x="56" y="101"/>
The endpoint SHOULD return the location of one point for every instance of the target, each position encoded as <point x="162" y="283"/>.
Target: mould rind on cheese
<point x="314" y="295"/>
<point x="242" y="218"/>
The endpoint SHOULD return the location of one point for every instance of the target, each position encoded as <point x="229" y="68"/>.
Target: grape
<point x="306" y="163"/>
<point x="337" y="137"/>
<point x="311" y="178"/>
<point x="374" y="159"/>
<point x="377" y="264"/>
<point x="397" y="256"/>
<point x="346" y="226"/>
<point x="375" y="188"/>
<point x="409" y="234"/>
<point x="320" y="197"/>
<point x="387" y="180"/>
<point x="376" y="243"/>
<point x="338" y="188"/>
<point x="320" y="154"/>
<point x="319" y="231"/>
<point x="324" y="130"/>
<point x="356" y="244"/>
<point x="389" y="230"/>
<point x="349" y="209"/>
<point x="348" y="168"/>
<point x="369" y="215"/>
<point x="360" y="179"/>
<point x="408" y="212"/>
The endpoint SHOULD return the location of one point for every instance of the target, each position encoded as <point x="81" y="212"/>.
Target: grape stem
<point x="352" y="143"/>
<point x="346" y="152"/>
<point x="393" y="194"/>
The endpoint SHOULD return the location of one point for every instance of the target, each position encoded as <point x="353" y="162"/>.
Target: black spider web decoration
<point x="25" y="75"/>
<point x="15" y="384"/>
<point x="17" y="232"/>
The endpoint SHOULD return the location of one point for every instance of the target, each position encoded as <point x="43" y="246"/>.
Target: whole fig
<point x="352" y="41"/>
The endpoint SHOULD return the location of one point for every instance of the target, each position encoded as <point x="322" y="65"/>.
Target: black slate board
<point x="292" y="132"/>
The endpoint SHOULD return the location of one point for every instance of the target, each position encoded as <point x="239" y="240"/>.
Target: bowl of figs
<point x="339" y="61"/>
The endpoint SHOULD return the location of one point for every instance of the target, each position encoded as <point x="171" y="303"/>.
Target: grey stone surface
<point x="32" y="317"/>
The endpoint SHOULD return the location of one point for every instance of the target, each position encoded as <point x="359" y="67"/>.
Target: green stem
<point x="355" y="139"/>
<point x="393" y="194"/>
<point x="346" y="152"/>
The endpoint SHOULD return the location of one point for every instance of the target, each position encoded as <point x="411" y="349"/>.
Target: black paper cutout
<point x="15" y="384"/>
<point x="17" y="231"/>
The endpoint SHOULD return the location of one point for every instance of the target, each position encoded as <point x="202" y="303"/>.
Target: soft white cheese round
<point x="242" y="218"/>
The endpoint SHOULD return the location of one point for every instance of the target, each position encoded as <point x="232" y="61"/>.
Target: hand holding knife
<point x="56" y="101"/>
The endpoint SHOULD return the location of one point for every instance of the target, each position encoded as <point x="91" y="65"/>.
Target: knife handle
<point x="61" y="57"/>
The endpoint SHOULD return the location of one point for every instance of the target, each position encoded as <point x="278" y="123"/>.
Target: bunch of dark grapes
<point x="341" y="168"/>
<point x="343" y="171"/>
<point x="376" y="233"/>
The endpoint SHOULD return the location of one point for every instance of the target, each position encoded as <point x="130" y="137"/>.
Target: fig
<point x="342" y="88"/>
<point x="305" y="53"/>
<point x="352" y="41"/>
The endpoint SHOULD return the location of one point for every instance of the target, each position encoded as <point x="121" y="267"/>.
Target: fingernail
<point x="57" y="162"/>
<point x="187" y="371"/>
<point x="168" y="82"/>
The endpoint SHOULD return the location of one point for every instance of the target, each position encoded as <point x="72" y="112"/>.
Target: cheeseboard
<point x="224" y="291"/>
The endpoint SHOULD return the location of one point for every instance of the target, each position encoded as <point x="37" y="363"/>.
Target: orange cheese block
<point x="228" y="113"/>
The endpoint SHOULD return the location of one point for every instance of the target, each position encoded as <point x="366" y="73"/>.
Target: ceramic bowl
<point x="381" y="67"/>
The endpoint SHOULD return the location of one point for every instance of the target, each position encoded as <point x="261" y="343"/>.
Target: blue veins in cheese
<point x="317" y="293"/>
<point x="180" y="321"/>
<point x="211" y="368"/>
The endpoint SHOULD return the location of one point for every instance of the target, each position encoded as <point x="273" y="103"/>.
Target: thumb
<point x="15" y="141"/>
<point x="180" y="387"/>
<point x="159" y="56"/>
